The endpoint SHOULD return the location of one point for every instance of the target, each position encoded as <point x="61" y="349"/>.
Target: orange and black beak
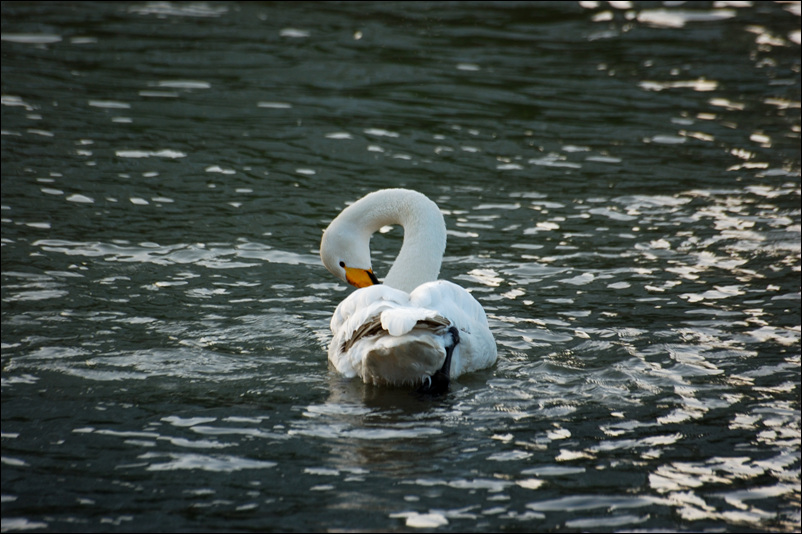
<point x="360" y="277"/>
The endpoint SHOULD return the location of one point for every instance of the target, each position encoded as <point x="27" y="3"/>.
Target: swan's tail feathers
<point x="407" y="359"/>
<point x="402" y="361"/>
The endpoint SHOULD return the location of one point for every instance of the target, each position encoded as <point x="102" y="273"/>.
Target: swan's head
<point x="345" y="251"/>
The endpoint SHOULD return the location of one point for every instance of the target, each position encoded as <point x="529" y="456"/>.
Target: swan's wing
<point x="477" y="348"/>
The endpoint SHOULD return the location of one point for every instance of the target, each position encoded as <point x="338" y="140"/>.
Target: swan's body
<point x="414" y="328"/>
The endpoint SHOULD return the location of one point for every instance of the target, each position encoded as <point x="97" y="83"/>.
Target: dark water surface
<point x="621" y="183"/>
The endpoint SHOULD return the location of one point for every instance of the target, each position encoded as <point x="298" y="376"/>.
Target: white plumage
<point x="401" y="332"/>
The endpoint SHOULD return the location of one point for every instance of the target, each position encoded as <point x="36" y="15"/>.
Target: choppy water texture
<point x="621" y="183"/>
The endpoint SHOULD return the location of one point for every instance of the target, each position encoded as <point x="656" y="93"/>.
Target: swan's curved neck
<point x="424" y="243"/>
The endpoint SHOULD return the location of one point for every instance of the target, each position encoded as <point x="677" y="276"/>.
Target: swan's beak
<point x="360" y="277"/>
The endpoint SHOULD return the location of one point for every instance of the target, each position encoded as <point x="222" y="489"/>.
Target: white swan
<point x="413" y="329"/>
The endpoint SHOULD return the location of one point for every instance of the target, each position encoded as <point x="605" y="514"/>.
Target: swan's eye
<point x="342" y="264"/>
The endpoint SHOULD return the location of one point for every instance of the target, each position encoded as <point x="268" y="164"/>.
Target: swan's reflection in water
<point x="368" y="427"/>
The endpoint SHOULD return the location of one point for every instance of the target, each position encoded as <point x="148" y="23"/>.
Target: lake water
<point x="621" y="184"/>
